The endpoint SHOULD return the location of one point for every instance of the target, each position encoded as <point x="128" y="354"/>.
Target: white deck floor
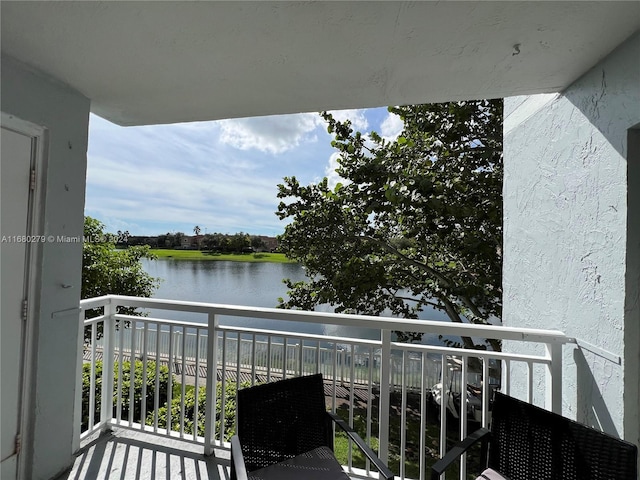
<point x="129" y="455"/>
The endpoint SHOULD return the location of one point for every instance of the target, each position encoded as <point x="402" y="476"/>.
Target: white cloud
<point x="358" y="119"/>
<point x="154" y="179"/>
<point x="391" y="127"/>
<point x="273" y="134"/>
<point x="330" y="171"/>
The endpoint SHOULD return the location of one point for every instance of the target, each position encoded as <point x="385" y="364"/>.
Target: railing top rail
<point x="161" y="321"/>
<point x="301" y="336"/>
<point x="95" y="302"/>
<point x="363" y="321"/>
<point x="467" y="352"/>
<point x="241" y="330"/>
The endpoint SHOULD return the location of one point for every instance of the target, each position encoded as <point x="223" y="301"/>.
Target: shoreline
<point x="198" y="255"/>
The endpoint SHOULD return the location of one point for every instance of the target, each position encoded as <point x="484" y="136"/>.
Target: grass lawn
<point x="162" y="253"/>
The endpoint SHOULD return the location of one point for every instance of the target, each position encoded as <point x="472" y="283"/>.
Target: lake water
<point x="249" y="284"/>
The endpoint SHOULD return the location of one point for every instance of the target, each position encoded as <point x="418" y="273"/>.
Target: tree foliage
<point x="416" y="221"/>
<point x="237" y="243"/>
<point x="107" y="270"/>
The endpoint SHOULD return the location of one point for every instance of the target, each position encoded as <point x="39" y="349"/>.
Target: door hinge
<point x="32" y="179"/>
<point x="25" y="309"/>
<point x="18" y="444"/>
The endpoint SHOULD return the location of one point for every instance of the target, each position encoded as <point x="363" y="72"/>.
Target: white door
<point x="16" y="160"/>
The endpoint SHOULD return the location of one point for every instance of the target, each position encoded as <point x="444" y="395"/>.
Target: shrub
<point x="137" y="387"/>
<point x="126" y="382"/>
<point x="227" y="419"/>
<point x="86" y="386"/>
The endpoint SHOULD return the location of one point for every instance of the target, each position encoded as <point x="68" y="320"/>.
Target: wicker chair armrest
<point x="370" y="454"/>
<point x="238" y="468"/>
<point x="482" y="434"/>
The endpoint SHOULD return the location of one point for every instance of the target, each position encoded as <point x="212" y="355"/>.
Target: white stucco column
<point x="571" y="233"/>
<point x="64" y="113"/>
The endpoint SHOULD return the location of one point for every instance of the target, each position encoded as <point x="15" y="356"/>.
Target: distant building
<point x="189" y="242"/>
<point x="270" y="243"/>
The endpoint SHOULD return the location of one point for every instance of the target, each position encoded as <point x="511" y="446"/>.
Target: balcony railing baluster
<point x="396" y="379"/>
<point x="156" y="392"/>
<point x="463" y="414"/>
<point x="183" y="389"/>
<point x="485" y="393"/>
<point x="223" y="390"/>
<point x="253" y="359"/>
<point x="443" y="404"/>
<point x="145" y="358"/>
<point x="238" y="359"/>
<point x="403" y="414"/>
<point x="170" y="382"/>
<point x="196" y="407"/>
<point x="211" y="395"/>
<point x="92" y="382"/>
<point x="423" y="417"/>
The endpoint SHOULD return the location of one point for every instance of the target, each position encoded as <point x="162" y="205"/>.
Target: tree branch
<point x="453" y="314"/>
<point x="424" y="302"/>
<point x="422" y="266"/>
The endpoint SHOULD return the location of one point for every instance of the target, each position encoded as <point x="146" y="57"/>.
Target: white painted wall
<point x="566" y="258"/>
<point x="47" y="445"/>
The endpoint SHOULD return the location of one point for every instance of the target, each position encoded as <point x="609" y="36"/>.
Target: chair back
<point x="280" y="420"/>
<point x="529" y="442"/>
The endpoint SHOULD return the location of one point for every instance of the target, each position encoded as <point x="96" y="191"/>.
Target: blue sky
<point x="220" y="175"/>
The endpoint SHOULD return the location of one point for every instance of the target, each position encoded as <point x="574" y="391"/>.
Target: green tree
<point x="177" y="239"/>
<point x="257" y="242"/>
<point x="416" y="221"/>
<point x="238" y="242"/>
<point x="106" y="270"/>
<point x="165" y="240"/>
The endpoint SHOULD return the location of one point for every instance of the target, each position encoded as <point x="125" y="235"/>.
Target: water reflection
<point x="250" y="284"/>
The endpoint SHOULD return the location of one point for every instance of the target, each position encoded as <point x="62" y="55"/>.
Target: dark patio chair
<point x="527" y="442"/>
<point x="284" y="431"/>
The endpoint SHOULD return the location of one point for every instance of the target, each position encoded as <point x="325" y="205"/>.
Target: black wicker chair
<point x="284" y="431"/>
<point x="527" y="442"/>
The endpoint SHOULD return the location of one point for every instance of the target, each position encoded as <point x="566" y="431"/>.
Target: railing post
<point x="108" y="332"/>
<point x="553" y="400"/>
<point x="384" y="402"/>
<point x="212" y="374"/>
<point x="77" y="411"/>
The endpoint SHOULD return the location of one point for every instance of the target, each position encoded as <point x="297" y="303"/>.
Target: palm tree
<point x="197" y="231"/>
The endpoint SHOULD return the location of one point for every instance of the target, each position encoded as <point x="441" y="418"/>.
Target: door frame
<point x="32" y="282"/>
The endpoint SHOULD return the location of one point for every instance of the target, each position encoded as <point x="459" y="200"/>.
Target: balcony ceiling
<point x="164" y="62"/>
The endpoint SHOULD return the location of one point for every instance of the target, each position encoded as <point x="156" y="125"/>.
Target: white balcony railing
<point x="386" y="388"/>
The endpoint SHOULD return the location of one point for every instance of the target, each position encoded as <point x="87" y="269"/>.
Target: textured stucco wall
<point x="35" y="98"/>
<point x="565" y="227"/>
<point x="632" y="297"/>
